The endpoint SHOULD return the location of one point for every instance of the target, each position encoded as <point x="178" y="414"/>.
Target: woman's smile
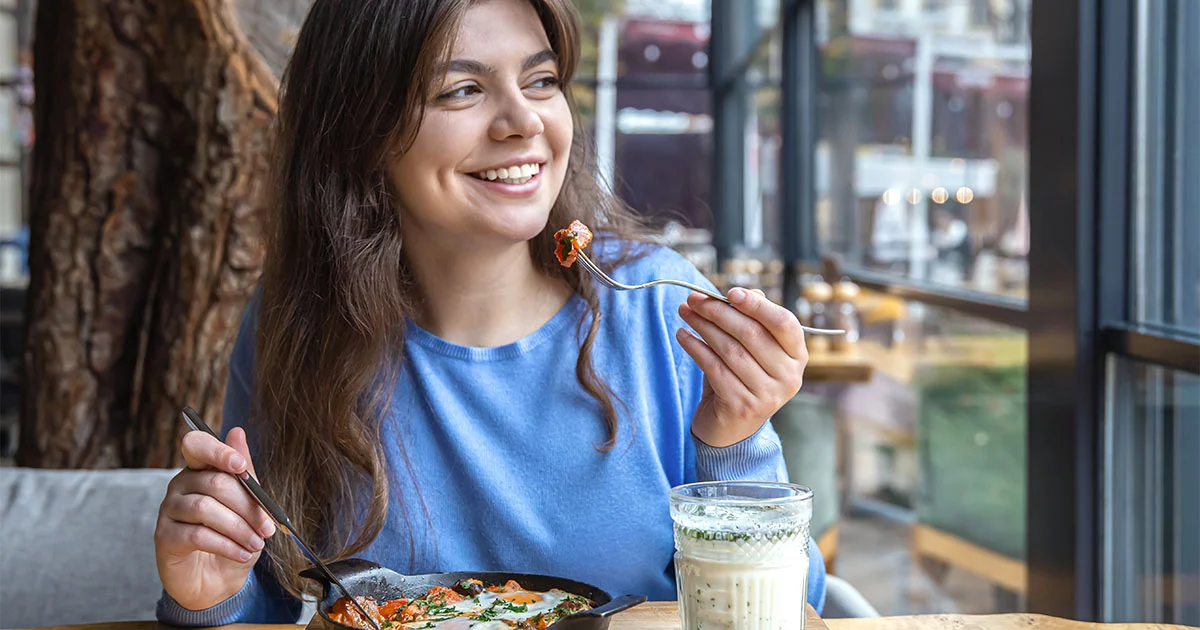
<point x="515" y="178"/>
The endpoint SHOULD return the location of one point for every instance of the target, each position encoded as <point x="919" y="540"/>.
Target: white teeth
<point x="511" y="174"/>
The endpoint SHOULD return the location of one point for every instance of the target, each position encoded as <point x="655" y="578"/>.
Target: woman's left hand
<point x="753" y="357"/>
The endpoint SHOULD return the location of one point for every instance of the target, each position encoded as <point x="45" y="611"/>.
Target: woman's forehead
<point x="496" y="28"/>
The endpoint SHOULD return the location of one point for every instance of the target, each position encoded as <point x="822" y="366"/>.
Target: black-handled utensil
<point x="281" y="519"/>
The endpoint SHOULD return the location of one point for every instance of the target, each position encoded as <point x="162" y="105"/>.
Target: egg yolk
<point x="522" y="598"/>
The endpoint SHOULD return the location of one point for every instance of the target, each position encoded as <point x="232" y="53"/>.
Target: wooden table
<point x="846" y="367"/>
<point x="665" y="616"/>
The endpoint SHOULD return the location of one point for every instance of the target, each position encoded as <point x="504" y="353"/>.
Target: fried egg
<point x="494" y="611"/>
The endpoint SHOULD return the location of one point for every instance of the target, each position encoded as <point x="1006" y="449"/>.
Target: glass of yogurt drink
<point x="741" y="554"/>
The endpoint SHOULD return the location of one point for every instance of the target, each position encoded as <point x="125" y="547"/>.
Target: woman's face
<point x="490" y="156"/>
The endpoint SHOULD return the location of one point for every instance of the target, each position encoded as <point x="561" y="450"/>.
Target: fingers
<point x="202" y="451"/>
<point x="213" y="465"/>
<point x="718" y="375"/>
<point x="180" y="539"/>
<point x="743" y="364"/>
<point x="237" y="441"/>
<point x="211" y="513"/>
<point x="749" y="332"/>
<point x="777" y="320"/>
<point x="228" y="492"/>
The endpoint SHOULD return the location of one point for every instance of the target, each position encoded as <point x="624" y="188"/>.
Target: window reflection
<point x="923" y="129"/>
<point x="1166" y="270"/>
<point x="931" y="460"/>
<point x="1152" y="495"/>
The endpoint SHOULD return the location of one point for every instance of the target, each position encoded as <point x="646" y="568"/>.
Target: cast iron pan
<point x="365" y="578"/>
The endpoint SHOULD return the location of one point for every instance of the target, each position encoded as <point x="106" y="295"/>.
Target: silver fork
<point x="607" y="281"/>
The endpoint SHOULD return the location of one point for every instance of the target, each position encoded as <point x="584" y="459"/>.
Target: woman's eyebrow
<point x="538" y="58"/>
<point x="471" y="66"/>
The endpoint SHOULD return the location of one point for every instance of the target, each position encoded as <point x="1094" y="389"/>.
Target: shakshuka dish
<point x="469" y="605"/>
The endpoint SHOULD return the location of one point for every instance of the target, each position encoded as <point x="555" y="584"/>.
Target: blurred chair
<point x="77" y="546"/>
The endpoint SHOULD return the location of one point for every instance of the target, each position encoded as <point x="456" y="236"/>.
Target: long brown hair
<point x="335" y="287"/>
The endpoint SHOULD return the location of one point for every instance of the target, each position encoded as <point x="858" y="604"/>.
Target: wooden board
<point x="648" y="616"/>
<point x="984" y="622"/>
<point x="828" y="543"/>
<point x="998" y="569"/>
<point x="664" y="616"/>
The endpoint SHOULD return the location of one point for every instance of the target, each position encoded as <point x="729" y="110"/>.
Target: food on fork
<point x="467" y="605"/>
<point x="571" y="241"/>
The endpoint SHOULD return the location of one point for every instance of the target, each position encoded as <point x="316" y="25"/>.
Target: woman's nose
<point x="516" y="119"/>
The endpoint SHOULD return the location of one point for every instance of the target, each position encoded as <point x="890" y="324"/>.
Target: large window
<point x="1013" y="184"/>
<point x="921" y="160"/>
<point x="920" y="156"/>
<point x="1151" y="434"/>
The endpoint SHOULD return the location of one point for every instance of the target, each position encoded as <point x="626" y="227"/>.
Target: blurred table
<point x="846" y="367"/>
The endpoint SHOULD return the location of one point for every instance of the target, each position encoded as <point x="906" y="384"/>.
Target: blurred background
<point x="997" y="197"/>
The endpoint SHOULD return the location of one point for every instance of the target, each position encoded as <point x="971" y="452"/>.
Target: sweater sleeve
<point x="756" y="458"/>
<point x="262" y="599"/>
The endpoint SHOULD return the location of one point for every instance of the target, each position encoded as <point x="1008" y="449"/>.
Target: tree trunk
<point x="152" y="121"/>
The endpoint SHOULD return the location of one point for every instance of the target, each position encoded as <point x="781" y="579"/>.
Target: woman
<point x="422" y="383"/>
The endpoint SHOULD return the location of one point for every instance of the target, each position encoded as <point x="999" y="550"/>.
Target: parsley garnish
<point x="519" y="608"/>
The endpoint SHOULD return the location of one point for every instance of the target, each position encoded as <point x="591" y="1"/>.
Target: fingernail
<point x="737" y="295"/>
<point x="267" y="529"/>
<point x="244" y="555"/>
<point x="237" y="462"/>
<point x="682" y="334"/>
<point x="256" y="543"/>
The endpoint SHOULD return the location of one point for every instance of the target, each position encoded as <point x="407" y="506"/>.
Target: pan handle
<point x="587" y="617"/>
<point x="349" y="568"/>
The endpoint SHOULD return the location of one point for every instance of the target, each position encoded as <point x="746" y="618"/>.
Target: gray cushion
<point x="78" y="546"/>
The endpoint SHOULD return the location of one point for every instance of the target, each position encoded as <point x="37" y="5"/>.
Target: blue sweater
<point x="502" y="444"/>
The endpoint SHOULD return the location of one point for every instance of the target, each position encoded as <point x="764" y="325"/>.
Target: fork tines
<point x="595" y="271"/>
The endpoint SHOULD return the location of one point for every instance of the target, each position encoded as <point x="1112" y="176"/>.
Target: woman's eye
<point x="465" y="91"/>
<point x="545" y="82"/>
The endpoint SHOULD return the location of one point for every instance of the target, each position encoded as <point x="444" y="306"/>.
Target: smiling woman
<point x="399" y="374"/>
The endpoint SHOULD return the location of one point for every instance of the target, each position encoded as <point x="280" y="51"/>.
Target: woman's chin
<point x="523" y="230"/>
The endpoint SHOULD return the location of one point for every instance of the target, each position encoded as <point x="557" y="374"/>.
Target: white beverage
<point x="741" y="563"/>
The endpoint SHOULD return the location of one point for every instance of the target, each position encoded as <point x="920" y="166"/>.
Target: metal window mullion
<point x="1178" y="351"/>
<point x="1188" y="299"/>
<point x="1065" y="381"/>
<point x="728" y="51"/>
<point x="799" y="95"/>
<point x="1171" y="123"/>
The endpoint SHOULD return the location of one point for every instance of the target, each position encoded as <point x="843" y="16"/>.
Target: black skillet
<point x="368" y="579"/>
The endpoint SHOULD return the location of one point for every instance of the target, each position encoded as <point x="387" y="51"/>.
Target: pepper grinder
<point x="818" y="293"/>
<point x="845" y="315"/>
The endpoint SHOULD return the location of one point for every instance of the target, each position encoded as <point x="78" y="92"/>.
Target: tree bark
<point x="152" y="122"/>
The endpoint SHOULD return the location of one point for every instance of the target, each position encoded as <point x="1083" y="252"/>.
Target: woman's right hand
<point x="210" y="529"/>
